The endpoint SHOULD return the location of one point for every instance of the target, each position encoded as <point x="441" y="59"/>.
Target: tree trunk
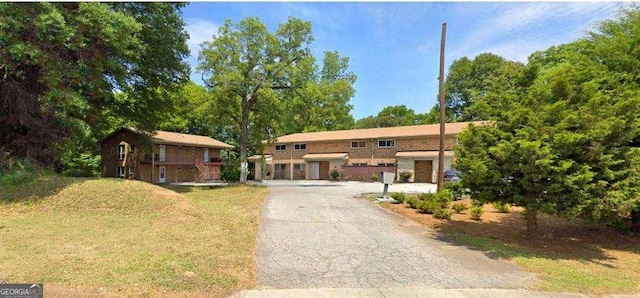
<point x="532" y="222"/>
<point x="244" y="144"/>
<point x="635" y="220"/>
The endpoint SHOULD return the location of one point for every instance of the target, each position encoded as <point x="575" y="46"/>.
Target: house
<point x="359" y="153"/>
<point x="161" y="157"/>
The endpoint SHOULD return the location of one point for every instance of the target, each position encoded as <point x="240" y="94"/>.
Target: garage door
<point x="423" y="170"/>
<point x="324" y="170"/>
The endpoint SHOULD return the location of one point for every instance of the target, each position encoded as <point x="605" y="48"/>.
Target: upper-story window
<point x="120" y="153"/>
<point x="358" y="144"/>
<point x="192" y="149"/>
<point x="281" y="147"/>
<point x="386" y="143"/>
<point x="360" y="164"/>
<point x="179" y="148"/>
<point x="132" y="147"/>
<point x="300" y="146"/>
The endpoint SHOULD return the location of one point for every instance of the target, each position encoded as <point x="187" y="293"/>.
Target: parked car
<point x="451" y="175"/>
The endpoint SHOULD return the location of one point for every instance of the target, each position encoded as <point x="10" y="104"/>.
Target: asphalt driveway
<point x="319" y="235"/>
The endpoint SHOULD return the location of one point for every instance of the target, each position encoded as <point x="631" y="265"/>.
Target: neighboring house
<point x="359" y="152"/>
<point x="161" y="157"/>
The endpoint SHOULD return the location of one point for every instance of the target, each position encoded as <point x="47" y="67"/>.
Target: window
<point x="179" y="169"/>
<point x="358" y="144"/>
<point x="131" y="171"/>
<point x="132" y="147"/>
<point x="386" y="164"/>
<point x="179" y="148"/>
<point x="300" y="146"/>
<point x="121" y="152"/>
<point x="386" y="143"/>
<point x="281" y="147"/>
<point x="298" y="167"/>
<point x="281" y="166"/>
<point x="360" y="164"/>
<point x="192" y="168"/>
<point x="192" y="149"/>
<point x="120" y="172"/>
<point x="163" y="153"/>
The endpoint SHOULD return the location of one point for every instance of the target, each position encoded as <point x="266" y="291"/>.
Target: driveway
<point x="319" y="235"/>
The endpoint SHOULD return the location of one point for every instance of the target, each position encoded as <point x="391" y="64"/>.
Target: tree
<point x="60" y="64"/>
<point x="390" y="116"/>
<point x="246" y="65"/>
<point x="564" y="141"/>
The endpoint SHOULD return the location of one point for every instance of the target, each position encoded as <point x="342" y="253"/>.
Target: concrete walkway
<point x="400" y="292"/>
<point x="316" y="236"/>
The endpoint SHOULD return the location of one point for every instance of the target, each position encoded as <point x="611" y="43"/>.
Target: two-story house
<point x="161" y="157"/>
<point x="312" y="155"/>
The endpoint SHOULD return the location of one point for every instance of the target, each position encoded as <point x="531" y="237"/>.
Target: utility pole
<point x="442" y="110"/>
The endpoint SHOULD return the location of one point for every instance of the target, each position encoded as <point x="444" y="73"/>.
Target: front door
<point x="314" y="170"/>
<point x="163" y="175"/>
<point x="206" y="154"/>
<point x="324" y="170"/>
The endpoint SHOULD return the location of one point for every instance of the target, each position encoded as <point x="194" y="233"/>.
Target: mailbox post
<point x="387" y="178"/>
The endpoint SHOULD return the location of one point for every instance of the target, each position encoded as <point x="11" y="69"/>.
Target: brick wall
<point x="362" y="173"/>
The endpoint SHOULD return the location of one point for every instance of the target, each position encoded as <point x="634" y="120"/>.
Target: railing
<point x="168" y="159"/>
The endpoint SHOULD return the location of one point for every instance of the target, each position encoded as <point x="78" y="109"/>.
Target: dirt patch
<point x="558" y="237"/>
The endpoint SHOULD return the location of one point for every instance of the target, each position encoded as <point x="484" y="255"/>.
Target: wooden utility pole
<point x="442" y="110"/>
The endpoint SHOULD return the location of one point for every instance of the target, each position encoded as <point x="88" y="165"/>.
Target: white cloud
<point x="199" y="31"/>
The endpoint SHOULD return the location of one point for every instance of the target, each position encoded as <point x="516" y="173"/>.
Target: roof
<point x="258" y="157"/>
<point x="174" y="138"/>
<point x="423" y="154"/>
<point x="375" y="133"/>
<point x="320" y="156"/>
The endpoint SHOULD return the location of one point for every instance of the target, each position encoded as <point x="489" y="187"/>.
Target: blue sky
<point x="394" y="47"/>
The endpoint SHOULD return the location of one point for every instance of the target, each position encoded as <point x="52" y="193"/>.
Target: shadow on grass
<point x="36" y="189"/>
<point x="558" y="239"/>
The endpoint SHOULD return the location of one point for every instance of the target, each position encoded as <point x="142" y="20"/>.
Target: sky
<point x="394" y="47"/>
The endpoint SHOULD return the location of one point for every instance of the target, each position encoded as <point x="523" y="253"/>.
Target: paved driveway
<point x="318" y="235"/>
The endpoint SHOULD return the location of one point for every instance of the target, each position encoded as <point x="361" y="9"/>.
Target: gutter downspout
<point x="291" y="163"/>
<point x="372" y="150"/>
<point x="153" y="159"/>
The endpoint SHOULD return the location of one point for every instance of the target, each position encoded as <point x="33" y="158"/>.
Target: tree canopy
<point x="565" y="136"/>
<point x="399" y="115"/>
<point x="61" y="65"/>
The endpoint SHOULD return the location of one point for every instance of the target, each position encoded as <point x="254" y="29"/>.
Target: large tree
<point x="566" y="140"/>
<point x="256" y="76"/>
<point x="61" y="63"/>
<point x="399" y="115"/>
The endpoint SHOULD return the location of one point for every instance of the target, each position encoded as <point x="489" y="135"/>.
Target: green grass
<point x="119" y="237"/>
<point x="618" y="274"/>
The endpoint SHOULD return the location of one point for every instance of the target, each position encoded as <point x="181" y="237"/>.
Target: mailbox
<point x="387" y="177"/>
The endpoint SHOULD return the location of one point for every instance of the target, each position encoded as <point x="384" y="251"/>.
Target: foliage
<point x="413" y="202"/>
<point x="334" y="174"/>
<point x="459" y="207"/>
<point x="443" y="213"/>
<point x="399" y="196"/>
<point x="398" y="115"/>
<point x="455" y="187"/>
<point x="14" y="171"/>
<point x="476" y="212"/>
<point x="502" y="207"/>
<point x="429" y="206"/>
<point x="374" y="177"/>
<point x="61" y="63"/>
<point x="405" y="176"/>
<point x="230" y="173"/>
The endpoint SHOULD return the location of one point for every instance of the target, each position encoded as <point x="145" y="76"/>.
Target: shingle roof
<point x="174" y="138"/>
<point x="374" y="133"/>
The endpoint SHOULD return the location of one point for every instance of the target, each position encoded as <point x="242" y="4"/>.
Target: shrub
<point x="444" y="197"/>
<point x="502" y="207"/>
<point x="459" y="207"/>
<point x="405" y="176"/>
<point x="14" y="171"/>
<point x="413" y="202"/>
<point x="476" y="212"/>
<point x="399" y="196"/>
<point x="477" y="203"/>
<point x="374" y="177"/>
<point x="456" y="188"/>
<point x="429" y="207"/>
<point x="334" y="174"/>
<point x="425" y="196"/>
<point x="360" y="178"/>
<point x="230" y="173"/>
<point x="443" y="213"/>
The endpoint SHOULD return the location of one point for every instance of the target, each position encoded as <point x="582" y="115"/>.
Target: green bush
<point x="476" y="213"/>
<point x="456" y="188"/>
<point x="459" y="207"/>
<point x="14" y="171"/>
<point x="413" y="202"/>
<point x="444" y="197"/>
<point x="426" y="196"/>
<point x="374" y="177"/>
<point x="399" y="196"/>
<point x="502" y="207"/>
<point x="443" y="213"/>
<point x="405" y="176"/>
<point x="477" y="203"/>
<point x="334" y="174"/>
<point x="230" y="173"/>
<point x="429" y="207"/>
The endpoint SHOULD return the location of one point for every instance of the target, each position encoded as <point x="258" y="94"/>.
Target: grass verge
<point x="116" y="237"/>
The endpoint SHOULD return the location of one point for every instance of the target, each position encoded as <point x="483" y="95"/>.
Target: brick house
<point x="161" y="157"/>
<point x="359" y="152"/>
